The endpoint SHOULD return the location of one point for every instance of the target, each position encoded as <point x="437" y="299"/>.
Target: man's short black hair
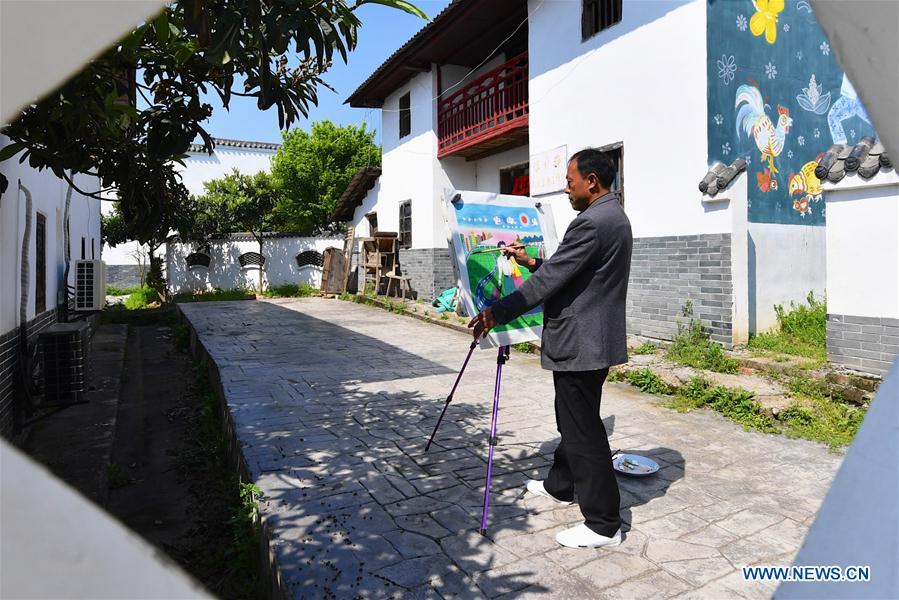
<point x="597" y="162"/>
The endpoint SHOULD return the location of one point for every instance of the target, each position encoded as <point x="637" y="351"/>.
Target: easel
<point x="502" y="357"/>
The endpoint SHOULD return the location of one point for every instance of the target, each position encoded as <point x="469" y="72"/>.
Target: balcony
<point x="488" y="115"/>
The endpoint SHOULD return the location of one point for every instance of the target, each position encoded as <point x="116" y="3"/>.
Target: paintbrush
<point x="512" y="247"/>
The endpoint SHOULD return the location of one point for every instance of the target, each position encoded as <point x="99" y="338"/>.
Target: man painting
<point x="583" y="288"/>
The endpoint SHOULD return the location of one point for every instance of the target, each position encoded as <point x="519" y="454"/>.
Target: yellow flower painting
<point x="765" y="18"/>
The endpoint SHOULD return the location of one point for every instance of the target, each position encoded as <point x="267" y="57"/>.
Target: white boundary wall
<point x="225" y="273"/>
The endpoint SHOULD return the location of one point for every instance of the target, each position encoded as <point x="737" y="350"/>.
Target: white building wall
<point x="862" y="247"/>
<point x="408" y="165"/>
<point x="641" y="82"/>
<point x="48" y="195"/>
<point x="225" y="273"/>
<point x="199" y="168"/>
<point x="786" y="262"/>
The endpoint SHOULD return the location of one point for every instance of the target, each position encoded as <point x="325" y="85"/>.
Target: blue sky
<point x="383" y="30"/>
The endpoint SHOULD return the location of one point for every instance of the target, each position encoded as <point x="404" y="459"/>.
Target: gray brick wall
<point x="122" y="276"/>
<point x="668" y="271"/>
<point x="866" y="344"/>
<point x="430" y="269"/>
<point x="9" y="356"/>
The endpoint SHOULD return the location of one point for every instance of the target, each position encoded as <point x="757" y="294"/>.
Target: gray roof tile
<point x="719" y="176"/>
<point x="866" y="158"/>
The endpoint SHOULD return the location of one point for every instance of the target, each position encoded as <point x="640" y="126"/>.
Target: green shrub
<point x="140" y="299"/>
<point x="523" y="347"/>
<point x="215" y="296"/>
<point x="692" y="347"/>
<point x="820" y="414"/>
<point x="615" y="375"/>
<point x="801" y="331"/>
<point x="735" y="403"/>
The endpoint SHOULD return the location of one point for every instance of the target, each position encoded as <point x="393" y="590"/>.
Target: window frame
<point x="372" y="220"/>
<point x="405" y="224"/>
<point x="40" y="263"/>
<point x="405" y="115"/>
<point x="599" y="15"/>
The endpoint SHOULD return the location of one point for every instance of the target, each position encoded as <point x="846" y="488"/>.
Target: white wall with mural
<point x="225" y="272"/>
<point x="641" y="82"/>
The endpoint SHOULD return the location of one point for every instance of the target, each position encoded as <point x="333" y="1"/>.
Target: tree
<point x="313" y="170"/>
<point x="94" y="125"/>
<point x="236" y="203"/>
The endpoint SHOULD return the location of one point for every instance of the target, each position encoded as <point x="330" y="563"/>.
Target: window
<point x="40" y="264"/>
<point x="83" y="242"/>
<point x="372" y="219"/>
<point x="616" y="153"/>
<point x="93" y="253"/>
<point x="406" y="224"/>
<point x="405" y="116"/>
<point x="515" y="180"/>
<point x="598" y="15"/>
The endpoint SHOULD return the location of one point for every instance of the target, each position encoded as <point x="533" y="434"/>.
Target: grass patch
<point x="692" y="347"/>
<point x="647" y="381"/>
<point x="801" y="331"/>
<point x="523" y="347"/>
<point x="819" y="413"/>
<point x="214" y="296"/>
<point x="141" y="298"/>
<point x="290" y="290"/>
<point x="734" y="403"/>
<point x="113" y="290"/>
<point x="645" y="348"/>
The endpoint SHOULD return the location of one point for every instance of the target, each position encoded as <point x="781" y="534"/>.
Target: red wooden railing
<point x="489" y="106"/>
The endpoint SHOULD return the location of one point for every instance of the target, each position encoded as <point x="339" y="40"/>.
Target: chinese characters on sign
<point x="548" y="171"/>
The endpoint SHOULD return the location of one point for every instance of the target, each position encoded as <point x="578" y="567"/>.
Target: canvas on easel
<point x="479" y="224"/>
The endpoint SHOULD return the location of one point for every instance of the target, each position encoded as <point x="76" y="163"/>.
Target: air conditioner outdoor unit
<point x="90" y="285"/>
<point x="64" y="349"/>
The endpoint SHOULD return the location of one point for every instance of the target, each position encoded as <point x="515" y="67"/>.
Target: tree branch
<point x="93" y="195"/>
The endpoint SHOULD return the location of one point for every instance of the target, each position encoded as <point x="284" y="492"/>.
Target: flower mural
<point x="813" y="98"/>
<point x="727" y="67"/>
<point x="789" y="93"/>
<point x="765" y="18"/>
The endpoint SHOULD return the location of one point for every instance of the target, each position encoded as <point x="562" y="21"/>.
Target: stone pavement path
<point x="333" y="403"/>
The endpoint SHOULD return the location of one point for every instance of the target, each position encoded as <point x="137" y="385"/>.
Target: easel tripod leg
<point x="501" y="358"/>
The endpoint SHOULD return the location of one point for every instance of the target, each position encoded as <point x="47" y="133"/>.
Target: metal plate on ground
<point x="634" y="464"/>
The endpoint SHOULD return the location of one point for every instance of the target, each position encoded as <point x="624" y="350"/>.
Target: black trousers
<point x="583" y="460"/>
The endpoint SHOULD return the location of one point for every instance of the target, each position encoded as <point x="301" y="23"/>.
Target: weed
<point x="345" y="296"/>
<point x="645" y="348"/>
<point x="615" y="375"/>
<point x="819" y="413"/>
<point x="735" y="403"/>
<point x="444" y="317"/>
<point x="290" y="290"/>
<point x="647" y="381"/>
<point x="801" y="331"/>
<point x="523" y="347"/>
<point x="692" y="347"/>
<point x="216" y="295"/>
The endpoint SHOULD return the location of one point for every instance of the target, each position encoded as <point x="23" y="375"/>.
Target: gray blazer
<point x="583" y="289"/>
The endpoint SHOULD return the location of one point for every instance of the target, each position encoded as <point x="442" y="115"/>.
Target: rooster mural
<point x="752" y="119"/>
<point x="806" y="185"/>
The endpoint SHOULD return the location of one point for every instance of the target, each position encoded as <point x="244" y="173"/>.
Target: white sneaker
<point x="584" y="537"/>
<point x="536" y="487"/>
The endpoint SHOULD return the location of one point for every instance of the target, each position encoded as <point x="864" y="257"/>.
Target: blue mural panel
<point x="778" y="99"/>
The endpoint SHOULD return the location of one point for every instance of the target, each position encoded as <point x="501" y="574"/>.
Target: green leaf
<point x="10" y="150"/>
<point x="161" y="25"/>
<point x="402" y="5"/>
